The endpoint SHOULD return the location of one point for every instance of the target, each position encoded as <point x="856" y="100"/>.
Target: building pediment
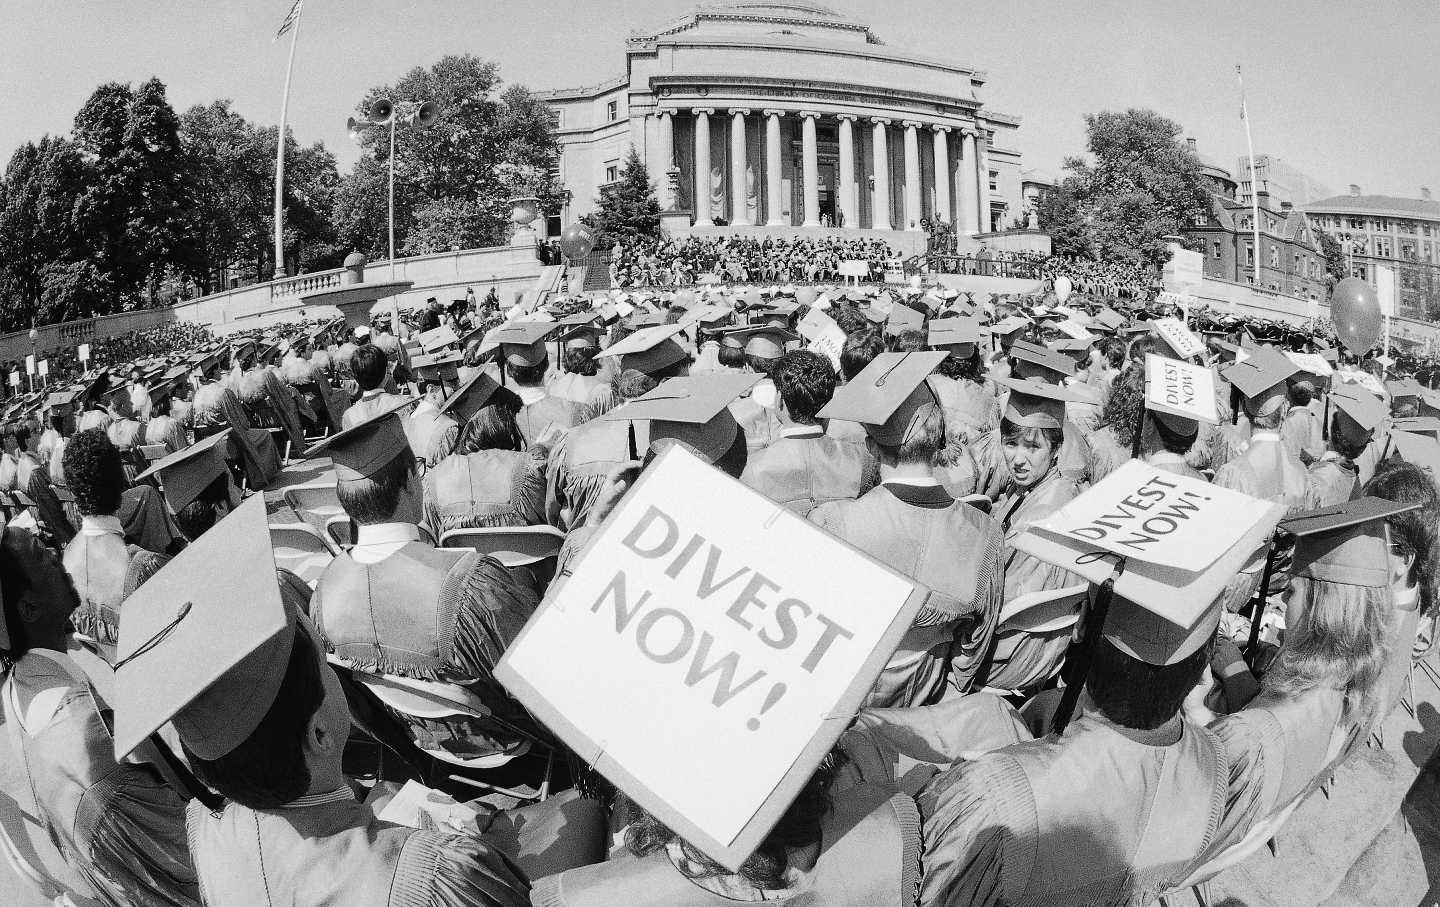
<point x="754" y="19"/>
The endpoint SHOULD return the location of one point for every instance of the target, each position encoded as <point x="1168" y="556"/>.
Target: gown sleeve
<point x="436" y="870"/>
<point x="974" y="817"/>
<point x="138" y="848"/>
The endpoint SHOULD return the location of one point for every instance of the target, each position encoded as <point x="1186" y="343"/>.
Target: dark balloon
<point x="1355" y="309"/>
<point x="577" y="240"/>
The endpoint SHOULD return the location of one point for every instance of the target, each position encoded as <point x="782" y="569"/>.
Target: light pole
<point x="384" y="112"/>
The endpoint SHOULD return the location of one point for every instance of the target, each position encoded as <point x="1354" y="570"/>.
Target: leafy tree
<point x="452" y="173"/>
<point x="627" y="208"/>
<point x="1334" y="254"/>
<point x="1140" y="184"/>
<point x="39" y="233"/>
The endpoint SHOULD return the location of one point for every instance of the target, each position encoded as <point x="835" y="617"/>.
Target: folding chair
<point x="301" y="550"/>
<point x="513" y="546"/>
<point x="340" y="533"/>
<point x="314" y="503"/>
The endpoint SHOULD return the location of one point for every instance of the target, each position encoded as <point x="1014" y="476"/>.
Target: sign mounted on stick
<point x="725" y="644"/>
<point x="30" y="364"/>
<point x="1178" y="337"/>
<point x="825" y="336"/>
<point x="1180" y="388"/>
<point x="83" y="352"/>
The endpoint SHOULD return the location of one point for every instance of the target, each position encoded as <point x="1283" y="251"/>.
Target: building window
<point x="994" y="180"/>
<point x="612" y="111"/>
<point x="1405" y="226"/>
<point x="612" y="173"/>
<point x="559" y="118"/>
<point x="1357" y="223"/>
<point x="1249" y="255"/>
<point x="1246" y="223"/>
<point x="1297" y="262"/>
<point x="1274" y="256"/>
<point x="1270" y="223"/>
<point x="1382" y="225"/>
<point x="1215" y="249"/>
<point x="1202" y="219"/>
<point x="1383" y="248"/>
<point x="1407" y="250"/>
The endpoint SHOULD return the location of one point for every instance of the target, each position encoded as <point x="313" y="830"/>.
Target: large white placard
<point x="1181" y="388"/>
<point x="707" y="650"/>
<point x="825" y="336"/>
<point x="83" y="352"/>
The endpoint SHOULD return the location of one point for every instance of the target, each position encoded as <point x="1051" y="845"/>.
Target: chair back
<point x="1042" y="612"/>
<point x="314" y="503"/>
<point x="340" y="532"/>
<point x="152" y="452"/>
<point x="513" y="546"/>
<point x="301" y="550"/>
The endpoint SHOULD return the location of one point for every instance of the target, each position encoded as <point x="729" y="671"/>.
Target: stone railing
<point x="300" y="285"/>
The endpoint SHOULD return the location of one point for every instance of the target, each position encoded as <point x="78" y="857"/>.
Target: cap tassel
<point x="1257" y="606"/>
<point x="1139" y="432"/>
<point x="634" y="448"/>
<point x="1234" y="405"/>
<point x="1083" y="651"/>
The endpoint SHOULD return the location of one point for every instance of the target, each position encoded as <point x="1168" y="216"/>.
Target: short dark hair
<point x="1055" y="437"/>
<point x="970" y="368"/>
<point x="493" y="426"/>
<point x="198" y="517"/>
<point x="731" y="356"/>
<point x="806" y="382"/>
<point x="94" y="472"/>
<point x="1171" y="440"/>
<point x="1414" y="532"/>
<point x="1299" y="393"/>
<point x="1114" y="350"/>
<point x="859" y="350"/>
<point x="268" y="768"/>
<point x="761" y="365"/>
<point x="1136" y="694"/>
<point x="529" y="374"/>
<point x="910" y="342"/>
<point x="368" y="365"/>
<point x="15" y="582"/>
<point x="20" y="431"/>
<point x="850" y="319"/>
<point x="373" y="500"/>
<point x="582" y="361"/>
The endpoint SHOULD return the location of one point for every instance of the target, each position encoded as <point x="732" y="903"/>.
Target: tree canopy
<point x="627" y="208"/>
<point x="1139" y="184"/>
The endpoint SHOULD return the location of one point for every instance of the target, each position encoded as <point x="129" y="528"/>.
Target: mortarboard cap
<point x="885" y="395"/>
<point x="764" y="341"/>
<point x="437" y="367"/>
<point x="1261" y="377"/>
<point x="649" y="350"/>
<point x="1347" y="543"/>
<point x="692" y="409"/>
<point x="362" y="450"/>
<point x="1419" y="425"/>
<point x="1109" y="319"/>
<point x="186" y="473"/>
<point x="1032" y="359"/>
<point x="1035" y="404"/>
<point x="1008" y="325"/>
<point x="208" y="656"/>
<point x="437" y="338"/>
<point x="1421" y="450"/>
<point x="470" y="397"/>
<point x="954" y="335"/>
<point x="1166" y="601"/>
<point x="522" y="343"/>
<point x="1361" y="409"/>
<point x="903" y="318"/>
<point x="1402" y="389"/>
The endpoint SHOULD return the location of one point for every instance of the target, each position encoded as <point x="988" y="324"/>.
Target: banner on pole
<point x="44" y="367"/>
<point x="1180" y="388"/>
<point x="83" y="353"/>
<point x="1178" y="337"/>
<point x="692" y="622"/>
<point x="30" y="364"/>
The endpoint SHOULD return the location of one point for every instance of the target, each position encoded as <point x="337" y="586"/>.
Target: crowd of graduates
<point x="217" y="679"/>
<point x="671" y="262"/>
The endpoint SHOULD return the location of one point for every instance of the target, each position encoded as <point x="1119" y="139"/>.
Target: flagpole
<point x="1254" y="179"/>
<point x="280" y="153"/>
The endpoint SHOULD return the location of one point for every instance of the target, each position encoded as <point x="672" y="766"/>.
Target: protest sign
<point x="724" y="643"/>
<point x="1174" y="332"/>
<point x="44" y="368"/>
<point x="83" y="353"/>
<point x="1180" y="388"/>
<point x="1168" y="528"/>
<point x="15" y="378"/>
<point x="1074" y="330"/>
<point x="825" y="336"/>
<point x="438" y="338"/>
<point x="30" y="364"/>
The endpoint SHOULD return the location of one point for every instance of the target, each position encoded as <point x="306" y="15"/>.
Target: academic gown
<point x="1265" y="470"/>
<point x="431" y="433"/>
<point x="485" y="488"/>
<point x="804" y="468"/>
<point x="328" y="850"/>
<point x="1107" y="454"/>
<point x="121" y="825"/>
<point x="755" y="413"/>
<point x="1301" y="434"/>
<point x="7" y="471"/>
<point x="165" y="430"/>
<point x="33" y="478"/>
<point x="971" y="408"/>
<point x="1332" y="480"/>
<point x="544" y="418"/>
<point x="1100" y="815"/>
<point x="443" y="615"/>
<point x="579" y="464"/>
<point x="127" y="435"/>
<point x="98" y="561"/>
<point x="216" y="408"/>
<point x="1024" y="661"/>
<point x="1175" y="464"/>
<point x="956" y="551"/>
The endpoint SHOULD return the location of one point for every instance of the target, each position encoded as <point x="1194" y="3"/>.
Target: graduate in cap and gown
<point x="804" y="467"/>
<point x="1355" y="414"/>
<point x="580" y="382"/>
<point x="125" y="432"/>
<point x="582" y="460"/>
<point x="238" y="670"/>
<point x="216" y="408"/>
<point x="756" y="411"/>
<point x="395" y="604"/>
<point x="1032" y="433"/>
<point x="970" y="401"/>
<point x="912" y="524"/>
<point x="1302" y="431"/>
<point x="371" y="369"/>
<point x="492" y="478"/>
<point x="119" y="822"/>
<point x="196" y="484"/>
<point x="431" y="431"/>
<point x="543" y="417"/>
<point x="1123" y="801"/>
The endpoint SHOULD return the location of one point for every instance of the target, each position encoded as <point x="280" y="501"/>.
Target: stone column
<point x="849" y="200"/>
<point x="667" y="160"/>
<point x="739" y="211"/>
<point x="941" y="137"/>
<point x="982" y="182"/>
<point x="810" y="159"/>
<point x="880" y="203"/>
<point x="773" y="202"/>
<point x="702" y="166"/>
<point x="969" y="184"/>
<point x="912" y="176"/>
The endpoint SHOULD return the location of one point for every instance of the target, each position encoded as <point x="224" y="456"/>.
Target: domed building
<point x="791" y="115"/>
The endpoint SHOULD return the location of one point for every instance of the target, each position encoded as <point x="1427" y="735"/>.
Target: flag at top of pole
<point x="290" y="19"/>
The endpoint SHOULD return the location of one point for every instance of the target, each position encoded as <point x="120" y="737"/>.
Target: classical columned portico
<point x="982" y="183"/>
<point x="739" y="208"/>
<point x="880" y="195"/>
<point x="810" y="167"/>
<point x="773" y="181"/>
<point x="849" y="207"/>
<point x="912" y="175"/>
<point x="941" y="139"/>
<point x="667" y="160"/>
<point x="969" y="185"/>
<point x="702" y="165"/>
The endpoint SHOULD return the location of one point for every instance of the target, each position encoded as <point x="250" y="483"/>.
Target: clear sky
<point x="1336" y="89"/>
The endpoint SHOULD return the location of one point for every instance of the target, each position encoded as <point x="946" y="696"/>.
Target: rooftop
<point x="1383" y="205"/>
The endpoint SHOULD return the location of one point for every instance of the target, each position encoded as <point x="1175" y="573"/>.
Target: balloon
<point x="577" y="240"/>
<point x="806" y="295"/>
<point x="1063" y="286"/>
<point x="1355" y="309"/>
